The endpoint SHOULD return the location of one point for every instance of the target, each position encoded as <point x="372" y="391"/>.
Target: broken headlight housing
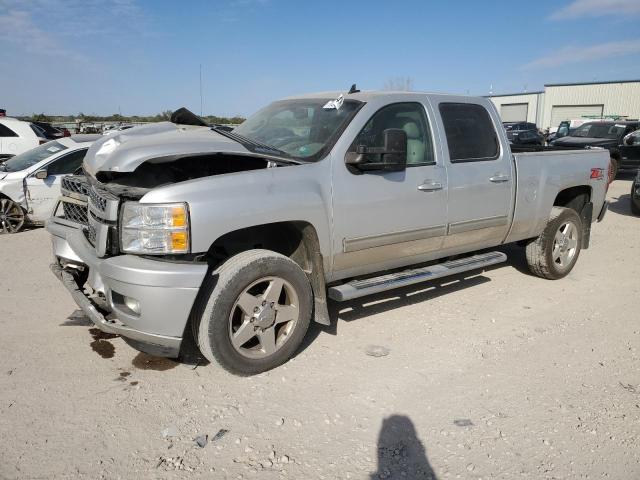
<point x="154" y="229"/>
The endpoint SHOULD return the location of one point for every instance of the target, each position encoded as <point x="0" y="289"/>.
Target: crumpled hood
<point x="584" y="141"/>
<point x="160" y="142"/>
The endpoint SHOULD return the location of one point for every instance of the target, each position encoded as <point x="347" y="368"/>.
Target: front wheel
<point x="11" y="216"/>
<point x="555" y="252"/>
<point x="257" y="313"/>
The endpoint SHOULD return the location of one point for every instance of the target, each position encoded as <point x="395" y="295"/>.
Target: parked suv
<point x="17" y="136"/>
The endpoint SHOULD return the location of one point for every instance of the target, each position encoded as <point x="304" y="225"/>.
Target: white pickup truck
<point x="241" y="236"/>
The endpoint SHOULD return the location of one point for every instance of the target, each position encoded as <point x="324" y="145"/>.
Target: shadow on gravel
<point x="392" y="299"/>
<point x="621" y="205"/>
<point x="77" y="319"/>
<point x="400" y="453"/>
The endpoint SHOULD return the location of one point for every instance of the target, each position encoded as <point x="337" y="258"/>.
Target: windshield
<point x="302" y="129"/>
<point x="33" y="156"/>
<point x="599" y="130"/>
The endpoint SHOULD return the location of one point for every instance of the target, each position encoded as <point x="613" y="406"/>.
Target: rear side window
<point x="470" y="133"/>
<point x="6" y="131"/>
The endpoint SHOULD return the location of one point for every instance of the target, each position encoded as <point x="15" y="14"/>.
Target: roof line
<point x="589" y="83"/>
<point x="537" y="92"/>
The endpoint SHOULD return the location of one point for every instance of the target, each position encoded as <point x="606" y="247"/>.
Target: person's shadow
<point x="400" y="454"/>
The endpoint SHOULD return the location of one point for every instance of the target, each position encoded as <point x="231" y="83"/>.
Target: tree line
<point x="117" y="118"/>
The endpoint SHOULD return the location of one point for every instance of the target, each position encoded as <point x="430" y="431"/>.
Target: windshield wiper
<point x="241" y="139"/>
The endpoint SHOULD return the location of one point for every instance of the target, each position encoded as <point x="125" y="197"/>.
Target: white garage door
<point x="514" y="112"/>
<point x="560" y="113"/>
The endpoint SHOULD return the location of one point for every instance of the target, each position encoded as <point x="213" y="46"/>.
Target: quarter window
<point x="6" y="131"/>
<point x="470" y="133"/>
<point x="409" y="117"/>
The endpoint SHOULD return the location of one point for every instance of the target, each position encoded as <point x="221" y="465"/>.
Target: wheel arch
<point x="578" y="198"/>
<point x="296" y="239"/>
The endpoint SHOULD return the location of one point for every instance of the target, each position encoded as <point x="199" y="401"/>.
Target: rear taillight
<point x="610" y="176"/>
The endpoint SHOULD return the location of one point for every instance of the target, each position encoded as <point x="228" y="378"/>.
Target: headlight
<point x="154" y="228"/>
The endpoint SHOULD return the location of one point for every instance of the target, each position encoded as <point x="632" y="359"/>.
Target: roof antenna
<point x="353" y="89"/>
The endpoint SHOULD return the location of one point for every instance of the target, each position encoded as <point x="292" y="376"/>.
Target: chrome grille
<point x="100" y="198"/>
<point x="76" y="184"/>
<point x="75" y="212"/>
<point x="90" y="233"/>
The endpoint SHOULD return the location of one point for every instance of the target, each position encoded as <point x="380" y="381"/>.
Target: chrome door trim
<point x="477" y="224"/>
<point x="379" y="240"/>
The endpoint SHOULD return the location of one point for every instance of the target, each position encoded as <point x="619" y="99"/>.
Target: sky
<point x="140" y="57"/>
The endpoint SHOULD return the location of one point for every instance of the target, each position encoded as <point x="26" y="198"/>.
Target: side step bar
<point x="369" y="286"/>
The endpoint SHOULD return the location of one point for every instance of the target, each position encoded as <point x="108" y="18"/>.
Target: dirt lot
<point x="495" y="375"/>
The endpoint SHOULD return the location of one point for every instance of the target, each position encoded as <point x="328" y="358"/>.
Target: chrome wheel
<point x="263" y="317"/>
<point x="565" y="244"/>
<point x="11" y="216"/>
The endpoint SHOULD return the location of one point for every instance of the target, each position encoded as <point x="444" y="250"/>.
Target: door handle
<point x="429" y="186"/>
<point x="499" y="178"/>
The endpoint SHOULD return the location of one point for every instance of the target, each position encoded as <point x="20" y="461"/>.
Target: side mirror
<point x="390" y="158"/>
<point x="41" y="174"/>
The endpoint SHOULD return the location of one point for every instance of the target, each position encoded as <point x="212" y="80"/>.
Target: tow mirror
<point x="390" y="158"/>
<point x="41" y="174"/>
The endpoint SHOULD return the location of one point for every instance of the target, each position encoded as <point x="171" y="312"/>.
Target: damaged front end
<point x="145" y="300"/>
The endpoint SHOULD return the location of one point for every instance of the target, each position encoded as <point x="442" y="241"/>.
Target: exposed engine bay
<point x="151" y="175"/>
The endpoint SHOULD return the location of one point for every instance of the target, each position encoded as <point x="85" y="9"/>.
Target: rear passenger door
<point x="480" y="174"/>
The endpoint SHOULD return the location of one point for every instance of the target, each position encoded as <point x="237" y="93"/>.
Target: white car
<point x="30" y="181"/>
<point x="17" y="136"/>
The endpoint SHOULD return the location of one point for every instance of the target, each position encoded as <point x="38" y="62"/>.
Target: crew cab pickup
<point x="240" y="237"/>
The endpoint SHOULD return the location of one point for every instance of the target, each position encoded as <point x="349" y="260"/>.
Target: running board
<point x="369" y="286"/>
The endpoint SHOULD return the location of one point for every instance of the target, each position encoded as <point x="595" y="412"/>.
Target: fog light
<point x="132" y="304"/>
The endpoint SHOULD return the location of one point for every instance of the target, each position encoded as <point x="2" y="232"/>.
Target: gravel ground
<point x="498" y="374"/>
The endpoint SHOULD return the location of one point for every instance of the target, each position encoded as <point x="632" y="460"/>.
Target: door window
<point x="67" y="164"/>
<point x="470" y="133"/>
<point x="409" y="117"/>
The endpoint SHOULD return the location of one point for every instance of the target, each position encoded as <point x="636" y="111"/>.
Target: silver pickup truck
<point x="239" y="237"/>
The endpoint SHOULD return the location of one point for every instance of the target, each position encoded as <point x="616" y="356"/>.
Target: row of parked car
<point x="621" y="138"/>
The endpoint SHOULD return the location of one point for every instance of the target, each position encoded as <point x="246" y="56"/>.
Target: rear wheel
<point x="257" y="313"/>
<point x="555" y="252"/>
<point x="11" y="216"/>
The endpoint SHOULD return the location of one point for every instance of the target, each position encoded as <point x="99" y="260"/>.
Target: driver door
<point x="42" y="195"/>
<point x="389" y="219"/>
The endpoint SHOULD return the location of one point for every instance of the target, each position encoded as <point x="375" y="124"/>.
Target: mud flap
<point x="586" y="215"/>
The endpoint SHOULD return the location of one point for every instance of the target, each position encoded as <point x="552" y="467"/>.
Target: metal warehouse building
<point x="566" y="101"/>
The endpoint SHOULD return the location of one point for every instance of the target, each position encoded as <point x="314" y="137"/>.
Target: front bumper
<point x="165" y="291"/>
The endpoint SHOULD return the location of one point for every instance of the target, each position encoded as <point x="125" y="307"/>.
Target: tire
<point x="241" y="306"/>
<point x="543" y="261"/>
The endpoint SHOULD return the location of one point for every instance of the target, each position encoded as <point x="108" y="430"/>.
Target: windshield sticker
<point x="53" y="149"/>
<point x="334" y="104"/>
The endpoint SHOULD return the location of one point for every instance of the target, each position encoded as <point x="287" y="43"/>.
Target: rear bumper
<point x="164" y="291"/>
